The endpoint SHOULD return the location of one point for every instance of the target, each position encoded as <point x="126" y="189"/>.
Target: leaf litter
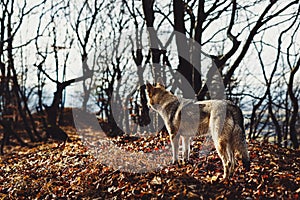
<point x="45" y="172"/>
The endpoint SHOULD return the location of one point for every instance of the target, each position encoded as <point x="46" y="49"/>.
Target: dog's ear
<point x="149" y="87"/>
<point x="160" y="81"/>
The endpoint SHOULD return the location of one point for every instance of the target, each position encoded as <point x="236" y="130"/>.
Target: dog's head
<point x="156" y="94"/>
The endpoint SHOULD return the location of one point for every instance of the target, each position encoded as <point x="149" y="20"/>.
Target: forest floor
<point x="43" y="171"/>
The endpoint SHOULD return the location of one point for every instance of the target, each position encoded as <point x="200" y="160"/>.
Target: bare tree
<point x="295" y="105"/>
<point x="87" y="28"/>
<point x="14" y="103"/>
<point x="196" y="25"/>
<point x="233" y="34"/>
<point x="274" y="98"/>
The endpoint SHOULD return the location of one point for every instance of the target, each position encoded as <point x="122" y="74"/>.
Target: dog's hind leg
<point x="175" y="148"/>
<point x="185" y="148"/>
<point x="220" y="141"/>
<point x="231" y="159"/>
<point x="222" y="151"/>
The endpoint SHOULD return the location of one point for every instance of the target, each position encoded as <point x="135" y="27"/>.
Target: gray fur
<point x="185" y="118"/>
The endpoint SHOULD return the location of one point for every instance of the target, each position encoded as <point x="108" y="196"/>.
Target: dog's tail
<point x="238" y="118"/>
<point x="241" y="146"/>
<point x="244" y="147"/>
<point x="237" y="115"/>
<point x="245" y="156"/>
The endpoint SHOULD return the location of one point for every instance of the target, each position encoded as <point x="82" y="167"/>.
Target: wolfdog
<point x="186" y="118"/>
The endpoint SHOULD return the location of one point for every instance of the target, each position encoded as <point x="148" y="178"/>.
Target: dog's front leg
<point x="175" y="148"/>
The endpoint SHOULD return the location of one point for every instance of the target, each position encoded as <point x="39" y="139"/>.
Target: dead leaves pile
<point x="43" y="172"/>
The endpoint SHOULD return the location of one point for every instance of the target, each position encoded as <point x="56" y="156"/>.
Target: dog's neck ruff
<point x="173" y="108"/>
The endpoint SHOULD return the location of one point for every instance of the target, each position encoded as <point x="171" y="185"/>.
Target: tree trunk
<point x="189" y="75"/>
<point x="295" y="105"/>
